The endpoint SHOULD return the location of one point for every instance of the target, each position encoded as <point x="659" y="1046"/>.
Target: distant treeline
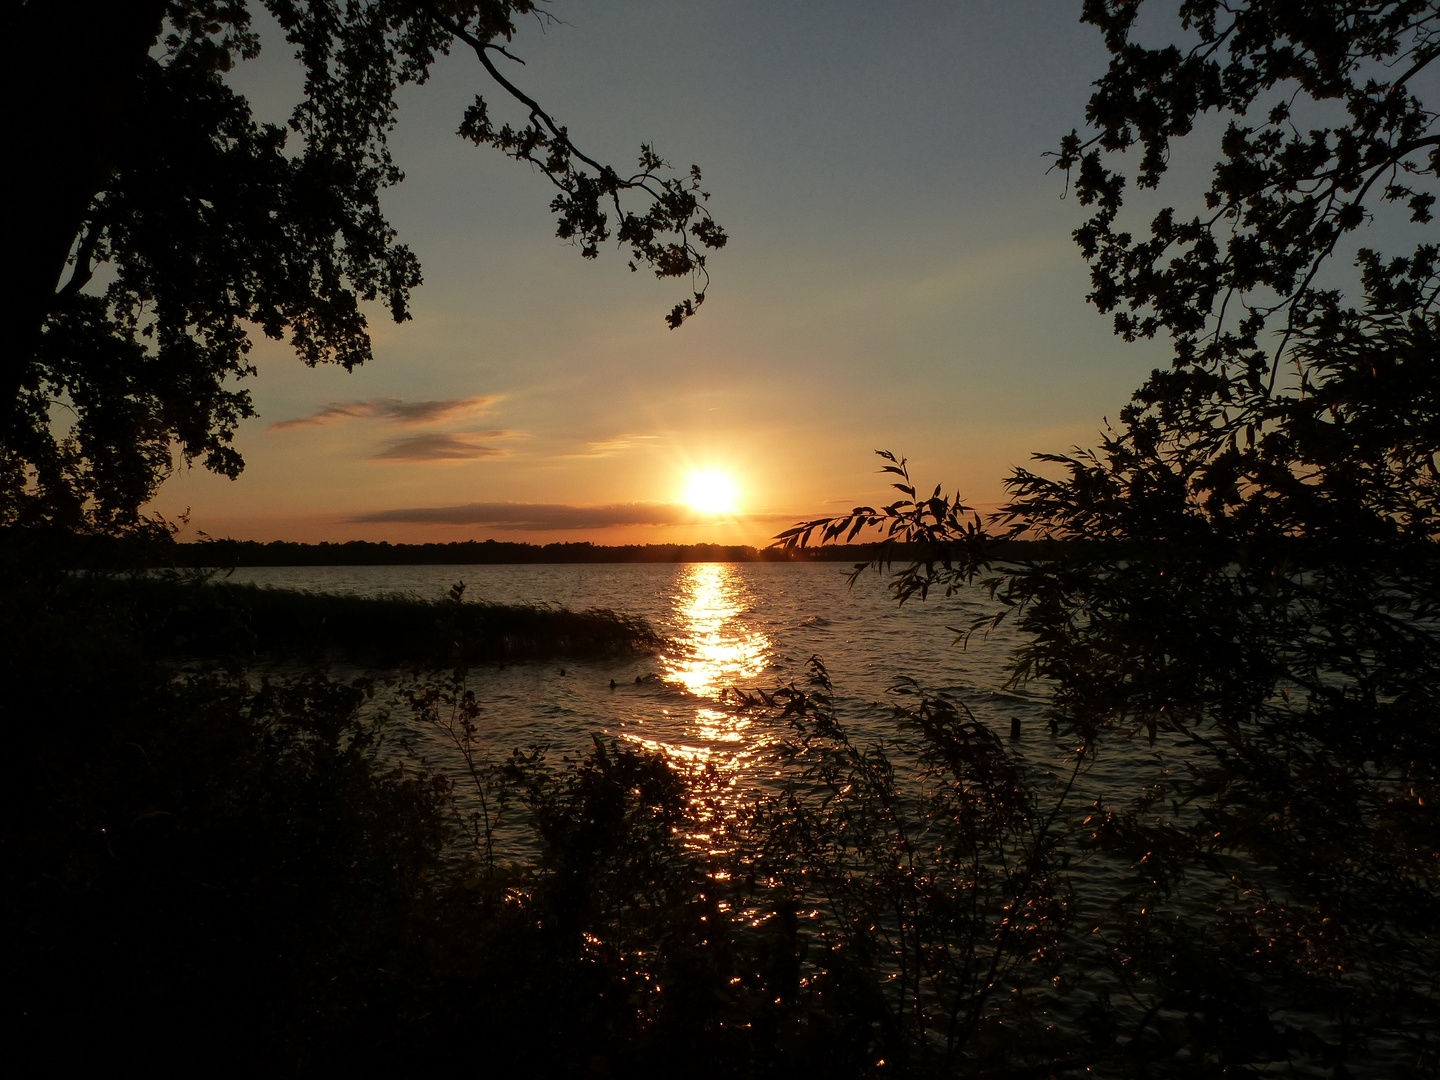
<point x="469" y="552"/>
<point x="381" y="553"/>
<point x="105" y="552"/>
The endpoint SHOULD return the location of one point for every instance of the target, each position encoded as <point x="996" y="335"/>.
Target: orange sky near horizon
<point x="900" y="276"/>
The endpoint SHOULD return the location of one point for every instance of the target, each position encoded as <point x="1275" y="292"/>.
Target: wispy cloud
<point x="539" y="516"/>
<point x="392" y="410"/>
<point x="438" y="446"/>
<point x="611" y="447"/>
<point x="544" y="517"/>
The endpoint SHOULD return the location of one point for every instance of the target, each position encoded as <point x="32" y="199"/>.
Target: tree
<point x="1248" y="566"/>
<point x="141" y="159"/>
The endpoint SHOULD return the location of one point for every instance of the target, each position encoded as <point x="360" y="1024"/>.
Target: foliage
<point x="187" y="224"/>
<point x="194" y="860"/>
<point x="281" y="865"/>
<point x="892" y="908"/>
<point x="189" y="859"/>
<point x="1287" y="412"/>
<point x="1237" y="611"/>
<point x="1278" y="849"/>
<point x="926" y="871"/>
<point x="1244" y="574"/>
<point x="207" y="618"/>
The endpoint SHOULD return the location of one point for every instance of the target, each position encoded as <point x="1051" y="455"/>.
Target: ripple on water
<point x="745" y="625"/>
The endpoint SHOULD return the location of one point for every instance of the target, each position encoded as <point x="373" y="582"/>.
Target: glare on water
<point x="716" y="649"/>
<point x="748" y="625"/>
<point x="713" y="648"/>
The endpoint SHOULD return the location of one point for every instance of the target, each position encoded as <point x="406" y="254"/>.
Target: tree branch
<point x="84" y="271"/>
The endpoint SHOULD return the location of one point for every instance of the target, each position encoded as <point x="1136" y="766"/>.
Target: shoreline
<point x="98" y="552"/>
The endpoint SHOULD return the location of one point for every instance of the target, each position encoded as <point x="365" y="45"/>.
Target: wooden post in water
<point x="1014" y="727"/>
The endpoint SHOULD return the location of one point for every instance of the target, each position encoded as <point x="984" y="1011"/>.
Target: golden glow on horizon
<point x="711" y="492"/>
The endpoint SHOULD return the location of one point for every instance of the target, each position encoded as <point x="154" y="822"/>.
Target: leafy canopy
<point x="1289" y="410"/>
<point x="206" y="225"/>
<point x="1245" y="573"/>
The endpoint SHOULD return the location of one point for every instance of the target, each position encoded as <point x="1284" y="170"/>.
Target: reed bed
<point x="209" y="619"/>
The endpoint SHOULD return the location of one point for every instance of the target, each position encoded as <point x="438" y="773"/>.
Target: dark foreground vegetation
<point x="207" y="618"/>
<point x="206" y="868"/>
<point x="1238" y="616"/>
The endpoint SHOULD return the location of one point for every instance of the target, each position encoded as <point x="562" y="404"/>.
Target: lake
<point x="756" y="626"/>
<point x="745" y="625"/>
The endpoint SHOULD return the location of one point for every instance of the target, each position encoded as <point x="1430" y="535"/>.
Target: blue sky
<point x="900" y="275"/>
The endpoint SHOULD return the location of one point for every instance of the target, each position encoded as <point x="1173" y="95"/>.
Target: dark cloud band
<point x="437" y="447"/>
<point x="393" y="410"/>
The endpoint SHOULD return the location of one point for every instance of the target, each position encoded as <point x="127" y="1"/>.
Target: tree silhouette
<point x="1245" y="588"/>
<point x="140" y="158"/>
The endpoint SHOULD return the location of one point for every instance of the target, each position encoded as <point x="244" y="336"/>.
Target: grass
<point x="208" y="619"/>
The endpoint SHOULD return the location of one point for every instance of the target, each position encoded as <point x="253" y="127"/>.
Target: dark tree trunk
<point x="68" y="70"/>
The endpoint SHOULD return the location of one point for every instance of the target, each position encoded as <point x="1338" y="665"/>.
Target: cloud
<point x="611" y="447"/>
<point x="543" y="517"/>
<point x="438" y="447"/>
<point x="540" y="516"/>
<point x="393" y="410"/>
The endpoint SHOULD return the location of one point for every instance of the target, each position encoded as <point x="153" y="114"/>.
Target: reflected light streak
<point x="717" y="650"/>
<point x="713" y="649"/>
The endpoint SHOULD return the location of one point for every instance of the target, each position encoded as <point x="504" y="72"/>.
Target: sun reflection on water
<point x="713" y="648"/>
<point x="716" y="649"/>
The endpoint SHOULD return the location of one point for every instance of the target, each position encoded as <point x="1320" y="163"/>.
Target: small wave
<point x="814" y="620"/>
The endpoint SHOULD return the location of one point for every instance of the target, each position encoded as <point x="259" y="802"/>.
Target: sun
<point x="710" y="492"/>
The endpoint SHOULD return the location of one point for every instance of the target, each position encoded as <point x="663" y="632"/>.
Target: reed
<point x="206" y="619"/>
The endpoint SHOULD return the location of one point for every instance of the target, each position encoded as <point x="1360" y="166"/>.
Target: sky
<point x="900" y="275"/>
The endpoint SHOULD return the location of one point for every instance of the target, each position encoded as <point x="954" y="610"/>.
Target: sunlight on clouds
<point x="611" y="447"/>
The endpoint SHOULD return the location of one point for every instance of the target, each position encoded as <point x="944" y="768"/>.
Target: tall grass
<point x="208" y="619"/>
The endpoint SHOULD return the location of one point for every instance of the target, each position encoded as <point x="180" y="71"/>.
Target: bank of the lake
<point x="211" y="617"/>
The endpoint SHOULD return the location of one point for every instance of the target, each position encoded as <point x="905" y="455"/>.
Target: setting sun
<point x="711" y="492"/>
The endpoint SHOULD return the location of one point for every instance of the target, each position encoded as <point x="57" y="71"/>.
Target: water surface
<point x="743" y="625"/>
